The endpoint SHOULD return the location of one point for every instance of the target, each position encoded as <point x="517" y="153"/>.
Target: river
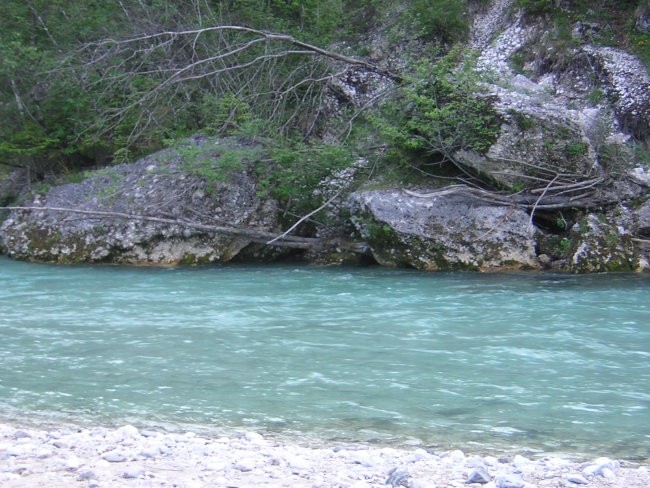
<point x="528" y="362"/>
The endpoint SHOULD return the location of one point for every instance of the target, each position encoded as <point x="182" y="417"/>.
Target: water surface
<point x="539" y="362"/>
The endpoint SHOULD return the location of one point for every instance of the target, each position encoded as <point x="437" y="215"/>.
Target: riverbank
<point x="128" y="457"/>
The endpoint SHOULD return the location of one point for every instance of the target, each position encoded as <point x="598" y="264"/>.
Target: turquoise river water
<point x="539" y="362"/>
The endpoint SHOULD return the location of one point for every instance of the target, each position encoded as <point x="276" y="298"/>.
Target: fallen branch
<point x="525" y="201"/>
<point x="303" y="218"/>
<point x="255" y="235"/>
<point x="532" y="211"/>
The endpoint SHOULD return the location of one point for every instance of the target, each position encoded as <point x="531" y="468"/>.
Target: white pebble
<point x="510" y="481"/>
<point x="491" y="461"/>
<point x="457" y="456"/>
<point x="577" y="479"/>
<point x="245" y="465"/>
<point x="114" y="457"/>
<point x="418" y="455"/>
<point x="72" y="463"/>
<point x="150" y="452"/>
<point x="608" y="474"/>
<point x="521" y="462"/>
<point x="296" y="462"/>
<point x="360" y="484"/>
<point x="86" y="475"/>
<point x="9" y="477"/>
<point x="555" y="462"/>
<point x="126" y="433"/>
<point x="133" y="472"/>
<point x="215" y="465"/>
<point x="254" y="437"/>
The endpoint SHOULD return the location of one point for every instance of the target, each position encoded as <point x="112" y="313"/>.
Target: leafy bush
<point x="441" y="19"/>
<point x="536" y="6"/>
<point x="294" y="170"/>
<point x="441" y="111"/>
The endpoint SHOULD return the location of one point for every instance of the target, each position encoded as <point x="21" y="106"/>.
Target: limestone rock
<point x="561" y="110"/>
<point x="479" y="475"/>
<point x="577" y="479"/>
<point x="604" y="243"/>
<point x="398" y="477"/>
<point x="443" y="231"/>
<point x="510" y="481"/>
<point x="166" y="184"/>
<point x="114" y="457"/>
<point x="642" y="215"/>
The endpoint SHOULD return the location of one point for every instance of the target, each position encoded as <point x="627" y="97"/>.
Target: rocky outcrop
<point x="604" y="242"/>
<point x="443" y="230"/>
<point x="161" y="185"/>
<point x="569" y="110"/>
<point x="573" y="120"/>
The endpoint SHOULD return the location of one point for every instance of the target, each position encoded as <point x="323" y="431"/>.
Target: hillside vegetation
<point x="418" y="94"/>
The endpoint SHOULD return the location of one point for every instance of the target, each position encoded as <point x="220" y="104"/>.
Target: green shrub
<point x="294" y="170"/>
<point x="441" y="19"/>
<point x="536" y="6"/>
<point x="576" y="148"/>
<point x="440" y="110"/>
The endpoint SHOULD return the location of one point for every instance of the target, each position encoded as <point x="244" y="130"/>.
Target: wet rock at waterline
<point x="605" y="242"/>
<point x="444" y="231"/>
<point x="165" y="185"/>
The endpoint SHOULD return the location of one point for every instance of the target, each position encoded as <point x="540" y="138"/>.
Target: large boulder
<point x="170" y="186"/>
<point x="604" y="242"/>
<point x="443" y="230"/>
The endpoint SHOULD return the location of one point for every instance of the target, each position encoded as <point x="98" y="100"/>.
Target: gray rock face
<point x="443" y="231"/>
<point x="604" y="243"/>
<point x="626" y="81"/>
<point x="479" y="475"/>
<point x="642" y="214"/>
<point x="561" y="112"/>
<point x="510" y="481"/>
<point x="160" y="185"/>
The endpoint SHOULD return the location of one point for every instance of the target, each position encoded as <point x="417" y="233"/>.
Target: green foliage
<point x="564" y="246"/>
<point x="518" y="61"/>
<point x="53" y="118"/>
<point x="523" y="121"/>
<point x="217" y="165"/>
<point x="294" y="171"/>
<point x="311" y="20"/>
<point x="639" y="42"/>
<point x="595" y="96"/>
<point x="441" y="111"/>
<point x="576" y="148"/>
<point x="614" y="18"/>
<point x="223" y="114"/>
<point x="536" y="6"/>
<point x="442" y="19"/>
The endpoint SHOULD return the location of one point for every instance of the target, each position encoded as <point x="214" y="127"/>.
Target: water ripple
<point x="451" y="359"/>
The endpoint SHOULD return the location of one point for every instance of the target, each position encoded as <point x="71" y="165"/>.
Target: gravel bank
<point x="128" y="457"/>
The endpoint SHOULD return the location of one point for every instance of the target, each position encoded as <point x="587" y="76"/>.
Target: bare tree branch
<point x="303" y="218"/>
<point x="142" y="73"/>
<point x="253" y="234"/>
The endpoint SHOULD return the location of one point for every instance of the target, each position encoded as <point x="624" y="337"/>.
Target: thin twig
<point x="304" y="217"/>
<point x="532" y="212"/>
